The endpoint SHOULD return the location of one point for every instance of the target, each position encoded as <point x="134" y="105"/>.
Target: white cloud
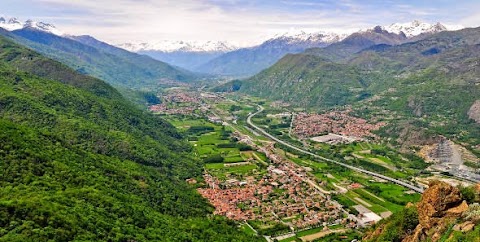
<point x="150" y="20"/>
<point x="472" y="20"/>
<point x="244" y="22"/>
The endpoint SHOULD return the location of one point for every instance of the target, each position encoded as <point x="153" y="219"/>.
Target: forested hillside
<point x="308" y="80"/>
<point x="79" y="163"/>
<point x="370" y="70"/>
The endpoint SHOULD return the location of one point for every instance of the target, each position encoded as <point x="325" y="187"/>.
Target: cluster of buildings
<point x="336" y="122"/>
<point x="227" y="202"/>
<point x="168" y="109"/>
<point x="334" y="139"/>
<point x="283" y="194"/>
<point x="187" y="103"/>
<point x="184" y="103"/>
<point x="214" y="97"/>
<point x="182" y="97"/>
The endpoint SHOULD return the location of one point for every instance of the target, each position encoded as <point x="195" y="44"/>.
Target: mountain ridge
<point x="15" y="24"/>
<point x="443" y="47"/>
<point x="415" y="28"/>
<point x="185" y="54"/>
<point x="181" y="46"/>
<point x="117" y="66"/>
<point x="249" y="61"/>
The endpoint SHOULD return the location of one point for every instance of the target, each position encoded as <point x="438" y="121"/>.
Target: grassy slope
<point x="78" y="162"/>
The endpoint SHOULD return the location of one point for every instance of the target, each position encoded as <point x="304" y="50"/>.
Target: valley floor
<point x="278" y="192"/>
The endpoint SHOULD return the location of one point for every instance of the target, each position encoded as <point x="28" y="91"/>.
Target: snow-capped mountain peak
<point x="15" y="24"/>
<point x="182" y="46"/>
<point x="43" y="27"/>
<point x="415" y="28"/>
<point x="13" y="21"/>
<point x="11" y="24"/>
<point x="316" y="36"/>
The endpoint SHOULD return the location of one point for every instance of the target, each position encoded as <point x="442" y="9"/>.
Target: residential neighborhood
<point x="336" y="122"/>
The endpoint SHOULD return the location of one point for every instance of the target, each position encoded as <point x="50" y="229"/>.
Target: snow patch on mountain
<point x="314" y="36"/>
<point x="180" y="46"/>
<point x="15" y="24"/>
<point x="11" y="24"/>
<point x="415" y="28"/>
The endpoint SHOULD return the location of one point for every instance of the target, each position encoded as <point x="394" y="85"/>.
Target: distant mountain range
<point x="248" y="61"/>
<point x="185" y="54"/>
<point x="90" y="56"/>
<point x="118" y="66"/>
<point x="15" y="24"/>
<point x="185" y="46"/>
<point x="221" y="58"/>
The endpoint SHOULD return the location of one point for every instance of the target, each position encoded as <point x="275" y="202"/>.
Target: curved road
<point x="399" y="182"/>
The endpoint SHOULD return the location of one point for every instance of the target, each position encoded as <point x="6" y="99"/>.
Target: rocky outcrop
<point x="415" y="106"/>
<point x="436" y="200"/>
<point x="440" y="206"/>
<point x="474" y="111"/>
<point x="464" y="227"/>
<point x="442" y="212"/>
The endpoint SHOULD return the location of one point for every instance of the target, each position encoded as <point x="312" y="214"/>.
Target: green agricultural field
<point x="348" y="236"/>
<point x="245" y="228"/>
<point x="262" y="156"/>
<point x="256" y="156"/>
<point x="206" y="150"/>
<point x="233" y="159"/>
<point x="269" y="227"/>
<point x="372" y="198"/>
<point x="242" y="169"/>
<point x="220" y="171"/>
<point x="207" y="144"/>
<point x="215" y="166"/>
<point x="183" y="123"/>
<point x="294" y="238"/>
<point x="393" y="193"/>
<point x="377" y="203"/>
<point x="309" y="232"/>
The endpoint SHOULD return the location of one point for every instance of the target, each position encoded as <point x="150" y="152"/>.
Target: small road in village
<point x="396" y="181"/>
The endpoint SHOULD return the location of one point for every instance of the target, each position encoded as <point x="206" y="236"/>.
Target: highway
<point x="398" y="182"/>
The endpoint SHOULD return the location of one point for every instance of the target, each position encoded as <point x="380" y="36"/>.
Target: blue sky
<point x="241" y="21"/>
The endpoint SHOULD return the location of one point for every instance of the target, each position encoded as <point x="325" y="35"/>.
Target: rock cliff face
<point x="440" y="206"/>
<point x="441" y="215"/>
<point x="474" y="112"/>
